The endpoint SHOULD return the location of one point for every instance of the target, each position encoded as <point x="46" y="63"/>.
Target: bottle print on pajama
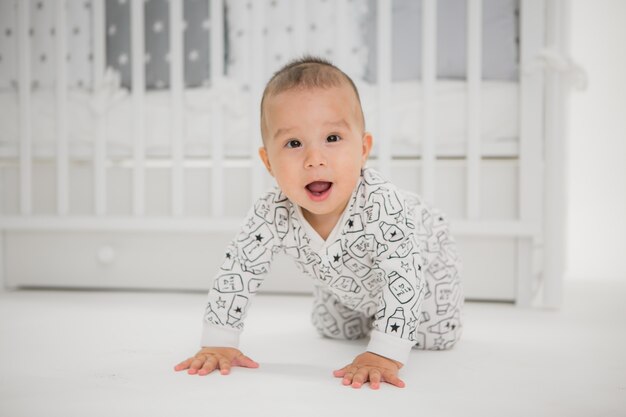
<point x="395" y="324"/>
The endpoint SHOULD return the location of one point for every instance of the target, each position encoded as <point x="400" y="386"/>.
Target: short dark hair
<point x="307" y="72"/>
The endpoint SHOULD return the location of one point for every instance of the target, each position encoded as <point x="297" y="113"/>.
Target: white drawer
<point x="159" y="260"/>
<point x="189" y="261"/>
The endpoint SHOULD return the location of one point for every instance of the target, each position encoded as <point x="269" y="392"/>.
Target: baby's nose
<point x="315" y="157"/>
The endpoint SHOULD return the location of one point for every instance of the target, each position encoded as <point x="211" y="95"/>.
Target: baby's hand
<point x="210" y="358"/>
<point x="370" y="367"/>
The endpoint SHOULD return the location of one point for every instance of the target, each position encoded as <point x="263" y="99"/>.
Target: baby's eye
<point x="333" y="138"/>
<point x="293" y="143"/>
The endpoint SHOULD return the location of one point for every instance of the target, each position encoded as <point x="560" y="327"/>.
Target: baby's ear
<point x="265" y="159"/>
<point x="368" y="140"/>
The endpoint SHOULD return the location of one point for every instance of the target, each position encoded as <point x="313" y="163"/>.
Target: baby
<point x="382" y="261"/>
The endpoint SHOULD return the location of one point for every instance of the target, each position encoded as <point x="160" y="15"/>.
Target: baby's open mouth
<point x="318" y="188"/>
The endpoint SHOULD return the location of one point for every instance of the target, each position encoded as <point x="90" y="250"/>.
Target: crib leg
<point x="2" y="266"/>
<point x="523" y="297"/>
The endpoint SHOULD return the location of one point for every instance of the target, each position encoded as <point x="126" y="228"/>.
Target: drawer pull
<point x="106" y="255"/>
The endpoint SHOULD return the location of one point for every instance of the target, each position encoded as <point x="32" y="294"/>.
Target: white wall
<point x="597" y="131"/>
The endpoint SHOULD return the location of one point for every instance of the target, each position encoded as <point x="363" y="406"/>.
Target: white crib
<point x="105" y="187"/>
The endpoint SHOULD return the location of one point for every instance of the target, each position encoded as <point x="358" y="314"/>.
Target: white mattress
<point x="499" y="124"/>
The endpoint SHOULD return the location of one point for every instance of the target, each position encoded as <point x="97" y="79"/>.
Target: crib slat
<point x="99" y="42"/>
<point x="429" y="67"/>
<point x="474" y="78"/>
<point x="531" y="179"/>
<point x="217" y="131"/>
<point x="299" y="26"/>
<point x="531" y="132"/>
<point x="556" y="151"/>
<point x="341" y="47"/>
<point x="138" y="93"/>
<point x="216" y="40"/>
<point x="217" y="152"/>
<point x="383" y="66"/>
<point x="25" y="113"/>
<point x="176" y="104"/>
<point x="99" y="157"/>
<point x="257" y="78"/>
<point x="61" y="110"/>
<point x="100" y="182"/>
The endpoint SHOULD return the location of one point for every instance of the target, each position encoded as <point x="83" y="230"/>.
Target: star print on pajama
<point x="388" y="270"/>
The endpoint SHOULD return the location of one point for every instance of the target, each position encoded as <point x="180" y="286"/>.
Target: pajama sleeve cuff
<point x="219" y="336"/>
<point x="391" y="347"/>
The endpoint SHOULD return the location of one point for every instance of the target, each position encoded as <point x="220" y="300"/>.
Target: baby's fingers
<point x="209" y="366"/>
<point x="375" y="379"/>
<point x="183" y="365"/>
<point x="245" y="361"/>
<point x="393" y="379"/>
<point x="347" y="373"/>
<point x="359" y="378"/>
<point x="340" y="373"/>
<point x="224" y="366"/>
<point x="196" y="364"/>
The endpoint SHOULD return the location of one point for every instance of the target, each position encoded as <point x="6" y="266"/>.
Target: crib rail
<point x="527" y="225"/>
<point x="255" y="80"/>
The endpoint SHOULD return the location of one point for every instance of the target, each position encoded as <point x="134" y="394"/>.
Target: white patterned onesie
<point x="388" y="269"/>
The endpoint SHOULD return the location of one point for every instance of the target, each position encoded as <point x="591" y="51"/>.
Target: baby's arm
<point x="209" y="359"/>
<point x="370" y="367"/>
<point x="246" y="262"/>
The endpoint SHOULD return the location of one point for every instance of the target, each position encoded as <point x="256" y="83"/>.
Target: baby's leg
<point x="440" y="324"/>
<point x="333" y="319"/>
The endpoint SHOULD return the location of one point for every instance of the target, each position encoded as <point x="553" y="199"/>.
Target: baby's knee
<point x="437" y="343"/>
<point x="443" y="335"/>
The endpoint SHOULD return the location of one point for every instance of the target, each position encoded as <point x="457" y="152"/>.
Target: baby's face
<point x="315" y="148"/>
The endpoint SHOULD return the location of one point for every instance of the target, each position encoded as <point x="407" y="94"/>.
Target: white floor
<point x="73" y="353"/>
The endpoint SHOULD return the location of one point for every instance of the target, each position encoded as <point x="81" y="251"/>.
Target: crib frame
<point x="539" y="228"/>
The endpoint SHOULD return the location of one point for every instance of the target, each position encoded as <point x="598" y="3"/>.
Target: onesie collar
<point x="316" y="241"/>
